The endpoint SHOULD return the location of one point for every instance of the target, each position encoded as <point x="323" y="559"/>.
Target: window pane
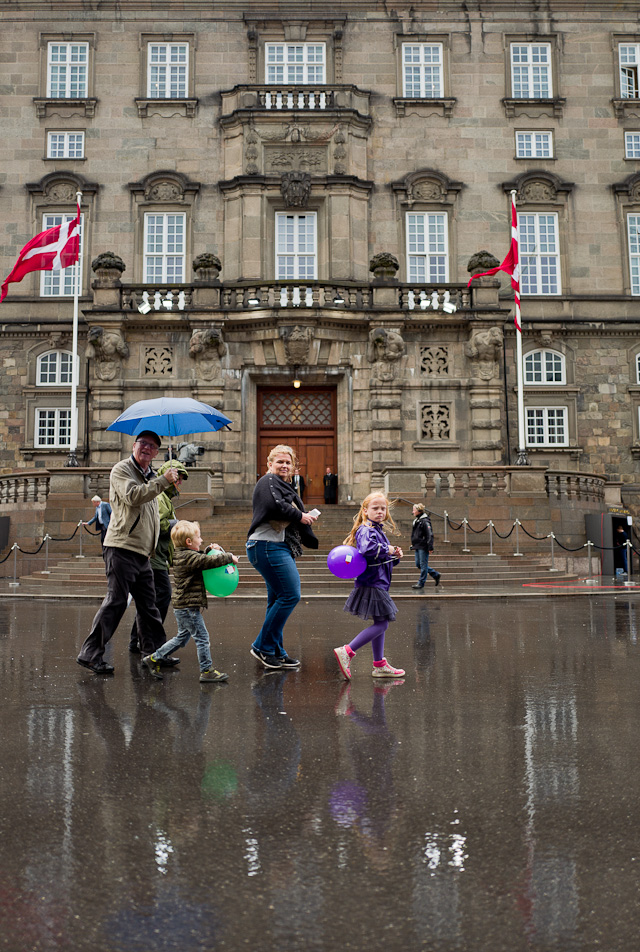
<point x="296" y="255"/>
<point x="295" y="64"/>
<point x="427" y="247"/>
<point x="531" y="71"/>
<point x="539" y="255"/>
<point x="422" y="71"/>
<point x="633" y="228"/>
<point x="164" y="248"/>
<point x="61" y="283"/>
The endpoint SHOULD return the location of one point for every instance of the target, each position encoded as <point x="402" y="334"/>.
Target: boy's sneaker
<point x="288" y="662"/>
<point x="213" y="675"/>
<point x="153" y="666"/>
<point x="387" y="671"/>
<point x="344" y="661"/>
<point x="266" y="660"/>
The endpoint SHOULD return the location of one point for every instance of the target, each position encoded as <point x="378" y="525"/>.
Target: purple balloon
<point x="346" y="562"/>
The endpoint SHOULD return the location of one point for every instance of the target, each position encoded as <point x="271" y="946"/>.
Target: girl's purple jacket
<point x="372" y="542"/>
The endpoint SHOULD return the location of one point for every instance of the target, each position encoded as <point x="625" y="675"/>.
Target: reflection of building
<point x="330" y="177"/>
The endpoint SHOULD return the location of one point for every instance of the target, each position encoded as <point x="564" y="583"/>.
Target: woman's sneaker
<point x="213" y="675"/>
<point x="288" y="662"/>
<point x="387" y="671"/>
<point x="344" y="661"/>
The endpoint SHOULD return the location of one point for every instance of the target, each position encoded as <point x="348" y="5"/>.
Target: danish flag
<point x="51" y="250"/>
<point x="511" y="263"/>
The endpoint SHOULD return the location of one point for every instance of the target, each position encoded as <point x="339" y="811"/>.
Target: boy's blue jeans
<point x="190" y="625"/>
<point x="277" y="566"/>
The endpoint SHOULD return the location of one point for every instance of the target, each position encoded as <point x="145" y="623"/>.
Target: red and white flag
<point x="511" y="263"/>
<point x="51" y="250"/>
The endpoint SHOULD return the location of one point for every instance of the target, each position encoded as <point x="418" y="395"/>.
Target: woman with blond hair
<point x="279" y="529"/>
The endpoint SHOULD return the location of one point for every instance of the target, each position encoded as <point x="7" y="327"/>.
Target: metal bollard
<point x="80" y="555"/>
<point x="45" y="570"/>
<point x="490" y="524"/>
<point x="517" y="524"/>
<point x="553" y="564"/>
<point x="446" y="525"/>
<point x="14" y="549"/>
<point x="464" y="523"/>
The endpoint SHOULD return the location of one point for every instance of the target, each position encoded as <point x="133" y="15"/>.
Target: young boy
<point x="190" y="597"/>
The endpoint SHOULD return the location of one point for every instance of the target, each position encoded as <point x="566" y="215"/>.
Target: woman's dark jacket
<point x="422" y="533"/>
<point x="275" y="500"/>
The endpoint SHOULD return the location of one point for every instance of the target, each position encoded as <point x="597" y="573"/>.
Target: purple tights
<point x="374" y="634"/>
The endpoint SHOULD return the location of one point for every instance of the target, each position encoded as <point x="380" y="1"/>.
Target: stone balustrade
<point x="282" y="97"/>
<point x="18" y="489"/>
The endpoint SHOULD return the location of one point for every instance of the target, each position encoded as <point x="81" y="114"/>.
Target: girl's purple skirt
<point x="368" y="602"/>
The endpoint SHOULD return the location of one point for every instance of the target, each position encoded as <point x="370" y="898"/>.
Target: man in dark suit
<point x="298" y="483"/>
<point x="330" y="481"/>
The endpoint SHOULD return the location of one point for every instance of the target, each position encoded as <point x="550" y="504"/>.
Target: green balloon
<point x="220" y="780"/>
<point x="222" y="580"/>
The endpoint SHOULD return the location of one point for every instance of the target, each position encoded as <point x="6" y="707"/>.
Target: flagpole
<point x="523" y="459"/>
<point x="73" y="443"/>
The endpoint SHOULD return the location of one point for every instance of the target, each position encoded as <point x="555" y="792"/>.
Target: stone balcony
<point x="298" y="98"/>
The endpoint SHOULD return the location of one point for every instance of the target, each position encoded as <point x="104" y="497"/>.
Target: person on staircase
<point x="422" y="544"/>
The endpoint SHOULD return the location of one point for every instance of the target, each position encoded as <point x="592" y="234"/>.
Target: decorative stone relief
<point x="384" y="351"/>
<point x="62" y="192"/>
<point x="296" y="188"/>
<point x="207" y="348"/>
<point x="434" y="361"/>
<point x="295" y="159"/>
<point x="296" y="344"/>
<point x="427" y="191"/>
<point x="435" y="421"/>
<point x="164" y="192"/>
<point x="108" y="349"/>
<point x="484" y="350"/>
<point x="538" y="192"/>
<point x="158" y="361"/>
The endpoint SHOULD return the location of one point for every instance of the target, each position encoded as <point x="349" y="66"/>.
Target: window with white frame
<point x="539" y="253"/>
<point x="296" y="246"/>
<point x="427" y="247"/>
<point x="547" y="426"/>
<point x="67" y="70"/>
<point x="422" y="70"/>
<point x="633" y="235"/>
<point x="61" y="283"/>
<point x="54" y="368"/>
<point x="531" y="74"/>
<point x="544" y="367"/>
<point x="629" y="57"/>
<point x="534" y="145"/>
<point x="52" y="428"/>
<point x="164" y="247"/>
<point x="65" y="145"/>
<point x="632" y="145"/>
<point x="294" y="64"/>
<point x="168" y="70"/>
<point x="637" y="368"/>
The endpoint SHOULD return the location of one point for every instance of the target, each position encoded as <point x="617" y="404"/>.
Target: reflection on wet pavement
<point x="488" y="801"/>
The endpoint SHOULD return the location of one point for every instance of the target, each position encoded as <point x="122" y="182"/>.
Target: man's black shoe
<point x="437" y="579"/>
<point x="417" y="586"/>
<point x="267" y="661"/>
<point x="168" y="662"/>
<point x="134" y="647"/>
<point x="99" y="667"/>
<point x="288" y="662"/>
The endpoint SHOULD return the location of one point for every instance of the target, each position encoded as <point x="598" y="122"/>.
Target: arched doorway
<point x="304" y="419"/>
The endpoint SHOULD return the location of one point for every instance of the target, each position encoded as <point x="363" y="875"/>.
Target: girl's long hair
<point x="361" y="520"/>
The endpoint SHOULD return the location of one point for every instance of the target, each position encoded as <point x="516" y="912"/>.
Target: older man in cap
<point x="130" y="540"/>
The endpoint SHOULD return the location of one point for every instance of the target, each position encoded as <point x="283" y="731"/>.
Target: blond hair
<point x="182" y="531"/>
<point x="282" y="448"/>
<point x="360" y="518"/>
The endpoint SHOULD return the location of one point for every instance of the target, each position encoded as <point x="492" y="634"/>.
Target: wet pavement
<point x="490" y="801"/>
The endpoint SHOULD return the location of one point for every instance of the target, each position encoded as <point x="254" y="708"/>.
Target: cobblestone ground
<point x="487" y="801"/>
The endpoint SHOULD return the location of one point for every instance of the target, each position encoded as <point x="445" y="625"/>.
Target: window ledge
<point x="425" y="106"/>
<point x="85" y="106"/>
<point x="431" y="446"/>
<point x="575" y="452"/>
<point x="166" y="107"/>
<point x="65" y="158"/>
<point x="534" y="107"/>
<point x="626" y="107"/>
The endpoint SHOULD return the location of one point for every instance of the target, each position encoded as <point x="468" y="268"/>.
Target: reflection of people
<point x="101" y="517"/>
<point x="190" y="598"/>
<point x="330" y="481"/>
<point x="279" y="529"/>
<point x="163" y="555"/>
<point x="298" y="483"/>
<point x="370" y="596"/>
<point x="620" y="540"/>
<point x="131" y="538"/>
<point x="422" y="543"/>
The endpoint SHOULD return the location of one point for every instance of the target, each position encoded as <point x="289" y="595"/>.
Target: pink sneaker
<point x="387" y="671"/>
<point x="344" y="661"/>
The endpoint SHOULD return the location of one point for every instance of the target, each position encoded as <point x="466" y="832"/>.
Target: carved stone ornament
<point x="427" y="191"/>
<point x="482" y="261"/>
<point x="164" y="192"/>
<point x="107" y="348"/>
<point x="384" y="265"/>
<point x="62" y="192"/>
<point x="484" y="348"/>
<point x="384" y="351"/>
<point x="207" y="266"/>
<point x="108" y="261"/>
<point x="296" y="188"/>
<point x="538" y="192"/>
<point x="207" y="348"/>
<point x="296" y="344"/>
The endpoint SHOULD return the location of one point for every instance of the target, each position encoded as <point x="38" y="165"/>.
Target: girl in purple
<point x="370" y="596"/>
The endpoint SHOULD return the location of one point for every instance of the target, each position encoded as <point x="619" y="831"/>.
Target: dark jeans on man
<point x="162" y="584"/>
<point x="422" y="563"/>
<point x="127" y="572"/>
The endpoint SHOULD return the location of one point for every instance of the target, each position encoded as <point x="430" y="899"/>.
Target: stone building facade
<point x="273" y="194"/>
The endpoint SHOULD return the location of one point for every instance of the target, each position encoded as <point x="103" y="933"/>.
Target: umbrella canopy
<point x="170" y="416"/>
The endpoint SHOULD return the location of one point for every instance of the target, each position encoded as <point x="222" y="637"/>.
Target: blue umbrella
<point x="170" y="416"/>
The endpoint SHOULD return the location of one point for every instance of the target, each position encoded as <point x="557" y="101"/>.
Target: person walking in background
<point x="330" y="481"/>
<point x="162" y="557"/>
<point x="279" y="529"/>
<point x="370" y="596"/>
<point x="189" y="598"/>
<point x="422" y="544"/>
<point x="101" y="517"/>
<point x="298" y="483"/>
<point x="620" y="554"/>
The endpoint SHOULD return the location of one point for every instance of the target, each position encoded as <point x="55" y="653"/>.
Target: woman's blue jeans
<point x="277" y="566"/>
